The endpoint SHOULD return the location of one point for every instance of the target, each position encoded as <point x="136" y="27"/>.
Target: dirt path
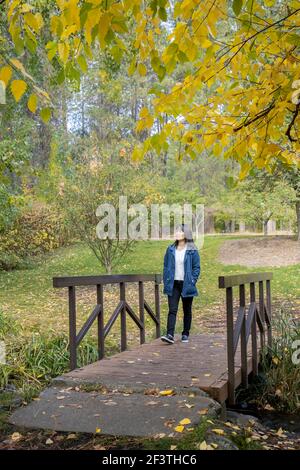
<point x="250" y="252"/>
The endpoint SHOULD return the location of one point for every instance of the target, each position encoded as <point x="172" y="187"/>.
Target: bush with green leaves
<point x="38" y="229"/>
<point x="281" y="386"/>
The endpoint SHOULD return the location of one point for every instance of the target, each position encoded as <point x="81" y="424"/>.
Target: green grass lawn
<point x="28" y="294"/>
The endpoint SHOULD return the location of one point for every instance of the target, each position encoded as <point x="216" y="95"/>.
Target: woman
<point x="180" y="274"/>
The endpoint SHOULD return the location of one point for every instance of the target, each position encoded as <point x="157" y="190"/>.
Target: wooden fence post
<point x="72" y="327"/>
<point x="230" y="346"/>
<point x="123" y="318"/>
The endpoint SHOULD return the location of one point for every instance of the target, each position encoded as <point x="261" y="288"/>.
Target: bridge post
<point x="157" y="307"/>
<point x="253" y="332"/>
<point x="123" y="318"/>
<point x="72" y="327"/>
<point x="100" y="324"/>
<point x="230" y="346"/>
<point x="269" y="308"/>
<point x="261" y="311"/>
<point x="244" y="363"/>
<point x="142" y="311"/>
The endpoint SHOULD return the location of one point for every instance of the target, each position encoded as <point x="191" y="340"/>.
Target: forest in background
<point x="57" y="167"/>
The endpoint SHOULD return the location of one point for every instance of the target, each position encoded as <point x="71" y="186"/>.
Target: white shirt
<point x="179" y="264"/>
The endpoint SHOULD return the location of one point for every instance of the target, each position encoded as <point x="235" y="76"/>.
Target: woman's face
<point x="179" y="235"/>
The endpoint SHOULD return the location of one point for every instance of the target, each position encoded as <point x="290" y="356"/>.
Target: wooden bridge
<point x="215" y="364"/>
<point x="185" y="380"/>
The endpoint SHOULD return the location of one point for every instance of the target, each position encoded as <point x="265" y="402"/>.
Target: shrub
<point x="281" y="387"/>
<point x="37" y="230"/>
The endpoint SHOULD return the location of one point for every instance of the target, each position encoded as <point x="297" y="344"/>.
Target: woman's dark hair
<point x="188" y="236"/>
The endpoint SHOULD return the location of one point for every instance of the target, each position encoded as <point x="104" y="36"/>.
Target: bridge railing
<point x="121" y="310"/>
<point x="252" y="319"/>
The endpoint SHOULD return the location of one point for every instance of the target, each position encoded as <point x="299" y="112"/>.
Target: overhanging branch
<point x="289" y="129"/>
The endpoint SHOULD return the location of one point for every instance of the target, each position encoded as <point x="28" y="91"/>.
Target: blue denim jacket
<point x="191" y="271"/>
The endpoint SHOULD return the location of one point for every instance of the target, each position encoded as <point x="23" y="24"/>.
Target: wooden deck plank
<point x="200" y="364"/>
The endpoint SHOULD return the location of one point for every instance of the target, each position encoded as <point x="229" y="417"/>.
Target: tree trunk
<point x="108" y="268"/>
<point x="265" y="223"/>
<point x="298" y="219"/>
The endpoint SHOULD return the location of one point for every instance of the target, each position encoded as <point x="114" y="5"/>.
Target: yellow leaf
<point x="16" y="436"/>
<point x="12" y="7"/>
<point x="98" y="430"/>
<point x="132" y="66"/>
<point x="32" y="103"/>
<point x="185" y="421"/>
<point x="32" y="21"/>
<point x="5" y="74"/>
<point x="166" y="392"/>
<point x="104" y="25"/>
<point x="179" y="428"/>
<point x="18" y="64"/>
<point x="220" y="432"/>
<point x="205" y="43"/>
<point x="275" y="360"/>
<point x="280" y="432"/>
<point x="142" y="69"/>
<point x="63" y="51"/>
<point x="203" y="412"/>
<point x="18" y="88"/>
<point x="203" y="445"/>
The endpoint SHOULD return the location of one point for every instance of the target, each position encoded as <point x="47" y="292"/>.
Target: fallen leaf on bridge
<point x="160" y="435"/>
<point x="203" y="412"/>
<point x="166" y="392"/>
<point x="185" y="421"/>
<point x="188" y="405"/>
<point x="179" y="428"/>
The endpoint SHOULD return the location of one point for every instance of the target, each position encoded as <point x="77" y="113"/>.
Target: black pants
<point x="173" y="301"/>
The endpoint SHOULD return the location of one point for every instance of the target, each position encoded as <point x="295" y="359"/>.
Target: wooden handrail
<point x="123" y="308"/>
<point x="248" y="319"/>
<point x="241" y="279"/>
<point x="69" y="281"/>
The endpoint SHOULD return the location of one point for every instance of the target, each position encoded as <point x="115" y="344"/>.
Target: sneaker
<point x="167" y="339"/>
<point x="184" y="339"/>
